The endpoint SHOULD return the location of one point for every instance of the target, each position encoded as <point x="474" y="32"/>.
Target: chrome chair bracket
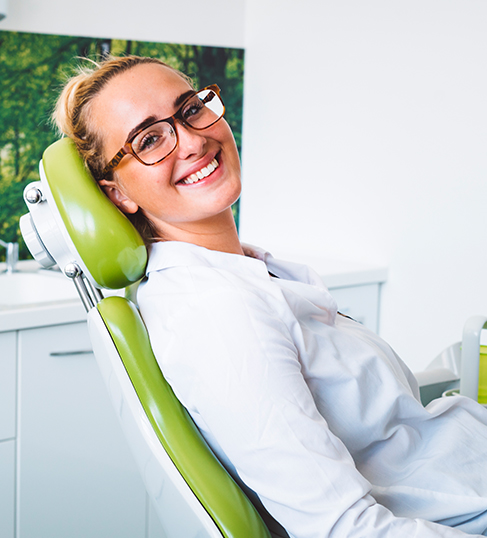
<point x="89" y="295"/>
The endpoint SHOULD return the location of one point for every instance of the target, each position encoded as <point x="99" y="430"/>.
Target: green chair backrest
<point x="115" y="255"/>
<point x="222" y="498"/>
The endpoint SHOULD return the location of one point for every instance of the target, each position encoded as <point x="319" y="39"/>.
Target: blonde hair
<point x="72" y="117"/>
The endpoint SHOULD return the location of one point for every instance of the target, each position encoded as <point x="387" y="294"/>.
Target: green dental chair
<point x="72" y="224"/>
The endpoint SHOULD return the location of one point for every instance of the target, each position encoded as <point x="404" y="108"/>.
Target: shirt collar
<point x="257" y="262"/>
<point x="166" y="254"/>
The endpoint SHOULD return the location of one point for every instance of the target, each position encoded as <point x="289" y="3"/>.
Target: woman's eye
<point x="192" y="109"/>
<point x="148" y="142"/>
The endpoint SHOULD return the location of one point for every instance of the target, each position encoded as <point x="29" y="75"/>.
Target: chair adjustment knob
<point x="33" y="196"/>
<point x="71" y="270"/>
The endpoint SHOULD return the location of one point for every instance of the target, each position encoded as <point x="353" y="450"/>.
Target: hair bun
<point x="65" y="109"/>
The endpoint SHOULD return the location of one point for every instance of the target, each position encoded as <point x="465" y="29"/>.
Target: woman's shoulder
<point x="183" y="275"/>
<point x="208" y="302"/>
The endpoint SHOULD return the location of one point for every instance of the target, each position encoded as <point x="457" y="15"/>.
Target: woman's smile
<point x="199" y="175"/>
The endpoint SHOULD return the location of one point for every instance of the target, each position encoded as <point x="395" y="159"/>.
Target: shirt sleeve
<point x="232" y="361"/>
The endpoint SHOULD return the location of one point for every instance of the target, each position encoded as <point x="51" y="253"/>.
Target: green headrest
<point x="107" y="242"/>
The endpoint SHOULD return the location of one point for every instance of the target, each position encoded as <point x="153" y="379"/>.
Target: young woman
<point x="314" y="415"/>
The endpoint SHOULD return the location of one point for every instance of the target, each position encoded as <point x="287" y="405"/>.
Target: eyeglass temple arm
<point x="114" y="162"/>
<point x="209" y="97"/>
<point x="215" y="90"/>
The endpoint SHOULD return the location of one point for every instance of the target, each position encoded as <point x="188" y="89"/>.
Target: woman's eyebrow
<point x="152" y="119"/>
<point x="140" y="126"/>
<point x="180" y="100"/>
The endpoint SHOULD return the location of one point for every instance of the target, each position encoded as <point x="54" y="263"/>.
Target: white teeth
<point x="200" y="174"/>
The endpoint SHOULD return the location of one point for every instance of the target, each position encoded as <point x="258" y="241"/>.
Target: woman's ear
<point x="112" y="191"/>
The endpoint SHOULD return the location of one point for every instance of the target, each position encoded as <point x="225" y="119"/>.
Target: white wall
<point x="220" y="23"/>
<point x="365" y="138"/>
<point x="383" y="157"/>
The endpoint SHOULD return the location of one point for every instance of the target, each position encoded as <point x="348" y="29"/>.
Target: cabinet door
<point x="77" y="477"/>
<point x="7" y="385"/>
<point x="7" y="488"/>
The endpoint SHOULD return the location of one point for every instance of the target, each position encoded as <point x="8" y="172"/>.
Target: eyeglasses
<point x="157" y="141"/>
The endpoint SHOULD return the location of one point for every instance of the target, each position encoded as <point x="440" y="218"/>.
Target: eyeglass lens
<point x="159" y="139"/>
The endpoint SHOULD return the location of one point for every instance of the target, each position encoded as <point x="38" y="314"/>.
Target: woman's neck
<point x="218" y="233"/>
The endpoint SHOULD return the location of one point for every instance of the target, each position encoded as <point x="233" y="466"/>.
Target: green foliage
<point x="33" y="68"/>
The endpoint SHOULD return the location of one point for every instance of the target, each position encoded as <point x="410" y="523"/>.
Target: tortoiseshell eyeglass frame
<point x="128" y="150"/>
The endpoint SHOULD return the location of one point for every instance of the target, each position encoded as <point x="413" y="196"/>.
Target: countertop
<point x="64" y="306"/>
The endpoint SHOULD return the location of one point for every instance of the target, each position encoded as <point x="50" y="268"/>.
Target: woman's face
<point x="161" y="191"/>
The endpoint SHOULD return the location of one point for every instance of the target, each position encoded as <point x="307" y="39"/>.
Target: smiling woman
<point x="122" y="105"/>
<point x="314" y="415"/>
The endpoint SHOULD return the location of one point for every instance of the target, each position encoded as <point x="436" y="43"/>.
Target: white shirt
<point x="310" y="410"/>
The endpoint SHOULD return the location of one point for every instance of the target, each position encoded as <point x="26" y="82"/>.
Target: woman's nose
<point x="190" y="142"/>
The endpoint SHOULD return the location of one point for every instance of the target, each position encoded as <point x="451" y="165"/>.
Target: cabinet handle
<point x="69" y="353"/>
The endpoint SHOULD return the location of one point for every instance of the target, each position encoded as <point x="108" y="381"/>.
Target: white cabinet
<point x="7" y="488"/>
<point x="7" y="432"/>
<point x="76" y="477"/>
<point x="360" y="303"/>
<point x="7" y="385"/>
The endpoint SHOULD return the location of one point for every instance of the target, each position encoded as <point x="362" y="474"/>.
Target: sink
<point x="32" y="288"/>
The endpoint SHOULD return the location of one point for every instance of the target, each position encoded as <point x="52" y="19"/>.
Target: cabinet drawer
<point x="7" y="385"/>
<point x="360" y="303"/>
